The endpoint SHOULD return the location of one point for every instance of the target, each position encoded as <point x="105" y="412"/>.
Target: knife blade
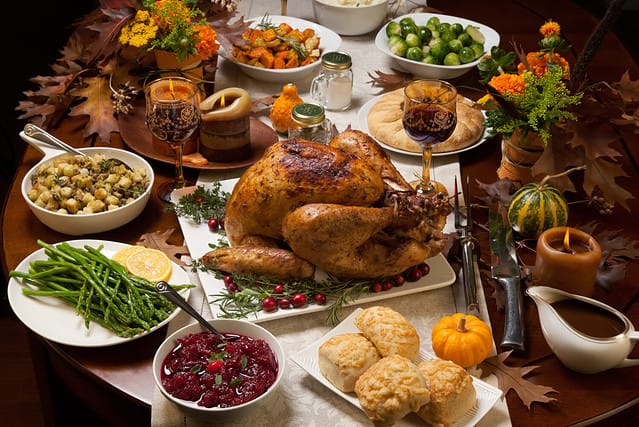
<point x="468" y="256"/>
<point x="505" y="270"/>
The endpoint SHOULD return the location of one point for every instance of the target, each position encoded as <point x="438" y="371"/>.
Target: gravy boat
<point x="578" y="350"/>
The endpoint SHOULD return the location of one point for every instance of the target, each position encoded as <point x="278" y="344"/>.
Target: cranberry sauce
<point x="203" y="369"/>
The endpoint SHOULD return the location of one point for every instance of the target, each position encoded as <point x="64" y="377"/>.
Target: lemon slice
<point x="152" y="264"/>
<point x="122" y="255"/>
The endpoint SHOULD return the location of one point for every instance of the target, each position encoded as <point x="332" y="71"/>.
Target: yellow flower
<point x="140" y="31"/>
<point x="550" y="28"/>
<point x="508" y="83"/>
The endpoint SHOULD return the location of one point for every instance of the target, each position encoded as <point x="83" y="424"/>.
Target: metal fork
<point x="467" y="244"/>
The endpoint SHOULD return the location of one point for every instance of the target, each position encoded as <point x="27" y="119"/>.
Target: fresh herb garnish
<point x="202" y="204"/>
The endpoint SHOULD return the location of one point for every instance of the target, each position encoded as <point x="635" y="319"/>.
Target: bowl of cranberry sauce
<point x="201" y="372"/>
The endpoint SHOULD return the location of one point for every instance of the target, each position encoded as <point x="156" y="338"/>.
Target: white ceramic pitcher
<point x="575" y="349"/>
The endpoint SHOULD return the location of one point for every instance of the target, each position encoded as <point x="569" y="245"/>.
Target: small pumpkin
<point x="536" y="207"/>
<point x="462" y="338"/>
<point x="282" y="107"/>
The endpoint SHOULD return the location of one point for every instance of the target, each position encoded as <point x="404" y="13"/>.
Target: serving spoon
<point x="172" y="295"/>
<point x="42" y="135"/>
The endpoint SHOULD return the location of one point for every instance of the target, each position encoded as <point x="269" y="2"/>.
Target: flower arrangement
<point x="577" y="128"/>
<point x="110" y="54"/>
<point x="171" y="25"/>
<point x="532" y="96"/>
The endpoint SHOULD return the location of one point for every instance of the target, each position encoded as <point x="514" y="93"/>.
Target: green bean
<point x="100" y="290"/>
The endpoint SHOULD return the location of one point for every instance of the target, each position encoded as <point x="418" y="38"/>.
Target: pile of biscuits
<point x="381" y="365"/>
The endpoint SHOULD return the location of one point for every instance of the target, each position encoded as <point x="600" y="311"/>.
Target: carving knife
<point x="505" y="270"/>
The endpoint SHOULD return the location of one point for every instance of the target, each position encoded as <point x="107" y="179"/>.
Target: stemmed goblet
<point x="172" y="115"/>
<point x="429" y="117"/>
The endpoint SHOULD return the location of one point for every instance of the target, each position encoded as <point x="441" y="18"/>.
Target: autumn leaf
<point x="598" y="175"/>
<point x="628" y="89"/>
<point x="97" y="105"/>
<point x="511" y="378"/>
<point x="389" y="81"/>
<point x="158" y="240"/>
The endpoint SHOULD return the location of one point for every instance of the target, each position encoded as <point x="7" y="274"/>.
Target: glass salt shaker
<point x="308" y="121"/>
<point x="332" y="87"/>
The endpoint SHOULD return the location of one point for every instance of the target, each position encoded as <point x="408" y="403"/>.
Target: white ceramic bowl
<point x="350" y="20"/>
<point x="432" y="71"/>
<point x="78" y="225"/>
<point x="225" y="326"/>
<point x="329" y="41"/>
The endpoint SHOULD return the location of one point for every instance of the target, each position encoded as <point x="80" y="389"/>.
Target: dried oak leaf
<point x="389" y="81"/>
<point x="159" y="240"/>
<point x="509" y="378"/>
<point x="628" y="89"/>
<point x="97" y="105"/>
<point x="616" y="249"/>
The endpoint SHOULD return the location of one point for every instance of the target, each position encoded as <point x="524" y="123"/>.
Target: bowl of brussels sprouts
<point x="430" y="45"/>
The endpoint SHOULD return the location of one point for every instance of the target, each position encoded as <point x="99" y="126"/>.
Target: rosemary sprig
<point x="253" y="289"/>
<point x="202" y="204"/>
<point x="266" y="24"/>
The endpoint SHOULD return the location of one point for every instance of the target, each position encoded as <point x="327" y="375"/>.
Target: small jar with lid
<point x="333" y="86"/>
<point x="308" y="121"/>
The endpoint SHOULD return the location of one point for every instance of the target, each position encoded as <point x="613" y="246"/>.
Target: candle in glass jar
<point x="225" y="128"/>
<point x="567" y="259"/>
<point x="170" y="90"/>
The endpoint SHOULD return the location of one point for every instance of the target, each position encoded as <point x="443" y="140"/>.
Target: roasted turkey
<point x="341" y="207"/>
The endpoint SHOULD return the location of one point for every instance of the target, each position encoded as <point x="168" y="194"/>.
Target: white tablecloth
<point x="301" y="400"/>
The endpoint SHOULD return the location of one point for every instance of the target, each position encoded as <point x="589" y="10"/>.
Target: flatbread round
<point x="385" y="124"/>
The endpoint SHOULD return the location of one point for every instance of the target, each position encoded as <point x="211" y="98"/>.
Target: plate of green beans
<point x="73" y="293"/>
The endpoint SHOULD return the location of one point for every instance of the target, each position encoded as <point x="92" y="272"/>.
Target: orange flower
<point x="207" y="44"/>
<point x="508" y="83"/>
<point x="538" y="63"/>
<point x="550" y="28"/>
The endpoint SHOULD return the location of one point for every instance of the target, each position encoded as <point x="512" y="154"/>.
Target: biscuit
<point x="390" y="389"/>
<point x="343" y="358"/>
<point x="389" y="331"/>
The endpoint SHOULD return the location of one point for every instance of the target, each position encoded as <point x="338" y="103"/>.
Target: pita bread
<point x="385" y="124"/>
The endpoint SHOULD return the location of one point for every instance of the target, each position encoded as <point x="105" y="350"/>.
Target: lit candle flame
<point x="567" y="240"/>
<point x="171" y="88"/>
<point x="222" y="102"/>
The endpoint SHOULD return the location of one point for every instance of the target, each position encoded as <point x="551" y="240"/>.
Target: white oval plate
<point x="57" y="321"/>
<point x="329" y="41"/>
<point x="487" y="395"/>
<point x="434" y="71"/>
<point x="362" y="119"/>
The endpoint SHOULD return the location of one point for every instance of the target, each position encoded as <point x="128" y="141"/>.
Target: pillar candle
<point x="225" y="130"/>
<point x="568" y="265"/>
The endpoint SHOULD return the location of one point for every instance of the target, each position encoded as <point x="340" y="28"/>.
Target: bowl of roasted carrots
<point x="282" y="49"/>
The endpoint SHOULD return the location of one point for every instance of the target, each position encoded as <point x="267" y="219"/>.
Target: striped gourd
<point x="535" y="208"/>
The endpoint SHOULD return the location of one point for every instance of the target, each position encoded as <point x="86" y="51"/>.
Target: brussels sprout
<point x="413" y="40"/>
<point x="407" y="20"/>
<point x="447" y="36"/>
<point x="451" y="59"/>
<point x="478" y="49"/>
<point x="467" y="54"/>
<point x="433" y="21"/>
<point x="457" y="28"/>
<point x="408" y="28"/>
<point x="424" y="34"/>
<point x="428" y="59"/>
<point x="414" y="53"/>
<point x="455" y="45"/>
<point x="465" y="38"/>
<point x="393" y="28"/>
<point x="444" y="27"/>
<point x="439" y="49"/>
<point x="475" y="34"/>
<point x="397" y="45"/>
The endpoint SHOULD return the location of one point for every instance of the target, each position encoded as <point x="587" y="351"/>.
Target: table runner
<point x="300" y="399"/>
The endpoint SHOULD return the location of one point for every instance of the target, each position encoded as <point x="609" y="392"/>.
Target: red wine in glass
<point x="429" y="124"/>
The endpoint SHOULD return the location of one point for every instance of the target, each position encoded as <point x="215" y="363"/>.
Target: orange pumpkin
<point x="462" y="338"/>
<point x="280" y="114"/>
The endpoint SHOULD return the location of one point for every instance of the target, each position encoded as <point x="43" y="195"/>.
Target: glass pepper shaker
<point x="308" y="121"/>
<point x="332" y="87"/>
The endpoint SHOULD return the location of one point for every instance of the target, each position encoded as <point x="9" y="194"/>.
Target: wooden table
<point x="116" y="381"/>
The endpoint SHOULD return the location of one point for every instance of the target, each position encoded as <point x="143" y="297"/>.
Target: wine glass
<point x="172" y="115"/>
<point x="429" y="117"/>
